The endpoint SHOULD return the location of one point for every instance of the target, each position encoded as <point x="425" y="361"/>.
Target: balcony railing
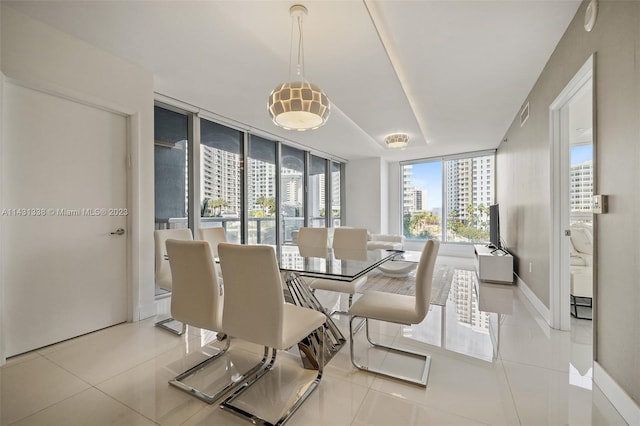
<point x="262" y="230"/>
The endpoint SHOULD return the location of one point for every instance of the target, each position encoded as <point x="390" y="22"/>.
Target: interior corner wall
<point x="39" y="56"/>
<point x="524" y="182"/>
<point x="385" y="198"/>
<point x="364" y="194"/>
<point x="2" y="333"/>
<point x="395" y="198"/>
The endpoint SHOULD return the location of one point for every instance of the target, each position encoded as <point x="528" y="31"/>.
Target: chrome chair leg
<point x="179" y="383"/>
<point x="307" y="390"/>
<point x="422" y="381"/>
<point x="163" y="324"/>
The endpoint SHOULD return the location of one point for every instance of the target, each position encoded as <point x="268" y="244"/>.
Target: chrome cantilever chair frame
<point x="278" y="325"/>
<point x="424" y="378"/>
<point x="198" y="301"/>
<point x="227" y="404"/>
<point x="179" y="383"/>
<point x="380" y="306"/>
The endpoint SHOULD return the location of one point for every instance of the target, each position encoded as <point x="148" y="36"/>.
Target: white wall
<point x="2" y="333"/>
<point x="364" y="194"/>
<point x="524" y="176"/>
<point x="394" y="186"/>
<point x="39" y="56"/>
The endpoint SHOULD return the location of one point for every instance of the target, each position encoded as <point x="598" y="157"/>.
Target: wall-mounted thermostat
<point x="600" y="204"/>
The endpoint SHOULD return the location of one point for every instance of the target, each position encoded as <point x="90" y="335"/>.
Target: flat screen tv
<point x="494" y="226"/>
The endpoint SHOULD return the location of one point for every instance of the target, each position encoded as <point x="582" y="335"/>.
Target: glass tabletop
<point x="344" y="265"/>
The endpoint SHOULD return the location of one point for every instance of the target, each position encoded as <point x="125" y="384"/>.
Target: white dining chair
<point x="255" y="311"/>
<point x="163" y="269"/>
<point x="348" y="241"/>
<point x="197" y="300"/>
<point x="400" y="309"/>
<point x="214" y="236"/>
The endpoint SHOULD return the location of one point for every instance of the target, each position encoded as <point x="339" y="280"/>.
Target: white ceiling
<point x="452" y="74"/>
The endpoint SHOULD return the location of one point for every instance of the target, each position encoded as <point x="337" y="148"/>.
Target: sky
<point x="581" y="153"/>
<point x="428" y="177"/>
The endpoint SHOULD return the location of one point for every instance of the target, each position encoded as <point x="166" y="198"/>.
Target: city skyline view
<point x="428" y="177"/>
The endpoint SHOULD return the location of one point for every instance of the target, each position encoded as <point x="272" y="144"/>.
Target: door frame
<point x="559" y="283"/>
<point x="132" y="147"/>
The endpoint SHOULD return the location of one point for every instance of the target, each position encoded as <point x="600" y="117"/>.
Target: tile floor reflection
<point x="494" y="362"/>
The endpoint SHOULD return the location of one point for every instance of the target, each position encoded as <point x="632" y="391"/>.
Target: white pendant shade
<point x="298" y="106"/>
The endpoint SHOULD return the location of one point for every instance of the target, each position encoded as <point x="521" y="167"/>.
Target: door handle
<point x="567" y="232"/>
<point x="119" y="231"/>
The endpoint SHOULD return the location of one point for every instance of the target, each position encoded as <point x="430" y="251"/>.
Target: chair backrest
<point x="213" y="236"/>
<point x="197" y="296"/>
<point x="163" y="270"/>
<point x="313" y="237"/>
<point x="424" y="277"/>
<point x="254" y="300"/>
<point x="350" y="238"/>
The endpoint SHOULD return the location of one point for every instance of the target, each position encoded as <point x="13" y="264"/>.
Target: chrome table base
<point x="298" y="293"/>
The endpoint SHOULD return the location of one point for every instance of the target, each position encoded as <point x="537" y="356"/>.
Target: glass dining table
<point x="298" y="263"/>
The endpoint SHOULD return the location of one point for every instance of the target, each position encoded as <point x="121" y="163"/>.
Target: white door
<point x="64" y="192"/>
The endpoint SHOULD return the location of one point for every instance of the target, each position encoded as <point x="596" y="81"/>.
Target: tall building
<point x="407" y="184"/>
<point x="469" y="182"/>
<point x="217" y="170"/>
<point x="581" y="176"/>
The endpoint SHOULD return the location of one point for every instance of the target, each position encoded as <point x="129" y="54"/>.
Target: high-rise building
<point x="468" y="183"/>
<point x="407" y="184"/>
<point x="220" y="177"/>
<point x="581" y="176"/>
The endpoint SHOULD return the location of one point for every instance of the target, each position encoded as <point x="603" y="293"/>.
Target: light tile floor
<point x="502" y="366"/>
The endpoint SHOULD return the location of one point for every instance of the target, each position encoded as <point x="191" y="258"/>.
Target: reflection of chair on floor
<point x="346" y="241"/>
<point x="197" y="300"/>
<point x="399" y="309"/>
<point x="255" y="311"/>
<point x="581" y="267"/>
<point x="163" y="270"/>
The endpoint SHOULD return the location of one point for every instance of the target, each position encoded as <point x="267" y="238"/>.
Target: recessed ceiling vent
<point x="524" y="114"/>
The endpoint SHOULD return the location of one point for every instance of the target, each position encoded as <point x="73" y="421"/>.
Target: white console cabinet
<point x="493" y="265"/>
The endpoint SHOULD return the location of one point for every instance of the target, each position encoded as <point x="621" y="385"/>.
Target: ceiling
<point x="452" y="74"/>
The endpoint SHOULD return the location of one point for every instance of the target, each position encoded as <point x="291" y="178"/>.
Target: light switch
<point x="600" y="204"/>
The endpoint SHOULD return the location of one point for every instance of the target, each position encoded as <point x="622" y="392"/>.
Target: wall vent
<point x="524" y="114"/>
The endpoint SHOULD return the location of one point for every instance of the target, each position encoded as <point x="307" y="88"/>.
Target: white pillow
<point x="578" y="261"/>
<point x="581" y="240"/>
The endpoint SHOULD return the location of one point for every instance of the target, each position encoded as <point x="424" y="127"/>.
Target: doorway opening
<point x="573" y="170"/>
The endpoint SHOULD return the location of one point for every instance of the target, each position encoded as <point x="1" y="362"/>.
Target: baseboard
<point x="544" y="312"/>
<point x="628" y="409"/>
<point x="147" y="311"/>
<point x="162" y="306"/>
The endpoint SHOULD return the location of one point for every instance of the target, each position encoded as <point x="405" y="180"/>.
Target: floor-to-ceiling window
<point x="261" y="191"/>
<point x="448" y="198"/>
<point x="171" y="168"/>
<point x="469" y="193"/>
<point x="422" y="200"/>
<point x="220" y="178"/>
<point x="291" y="192"/>
<point x="316" y="192"/>
<point x="336" y="197"/>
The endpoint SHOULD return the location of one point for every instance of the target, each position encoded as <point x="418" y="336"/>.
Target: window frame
<point x="195" y="115"/>
<point x="442" y="159"/>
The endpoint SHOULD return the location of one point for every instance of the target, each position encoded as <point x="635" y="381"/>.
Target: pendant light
<point x="298" y="104"/>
